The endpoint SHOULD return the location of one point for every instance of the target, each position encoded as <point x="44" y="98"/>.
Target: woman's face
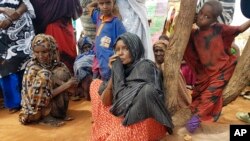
<point x="159" y="53"/>
<point x="106" y="6"/>
<point x="123" y="52"/>
<point x="42" y="53"/>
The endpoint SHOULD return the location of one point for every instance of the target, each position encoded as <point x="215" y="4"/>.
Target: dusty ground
<point x="79" y="129"/>
<point x="76" y="130"/>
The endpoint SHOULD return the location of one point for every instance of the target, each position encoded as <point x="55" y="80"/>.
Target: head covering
<point x="165" y="43"/>
<point x="54" y="56"/>
<point x="133" y="42"/>
<point x="83" y="41"/>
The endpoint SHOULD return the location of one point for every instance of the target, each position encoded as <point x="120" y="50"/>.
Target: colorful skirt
<point x="107" y="127"/>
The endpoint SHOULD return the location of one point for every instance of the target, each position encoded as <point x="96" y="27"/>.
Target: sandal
<point x="245" y="93"/>
<point x="243" y="116"/>
<point x="247" y="97"/>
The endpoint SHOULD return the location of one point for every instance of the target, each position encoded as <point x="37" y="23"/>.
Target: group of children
<point x="208" y="55"/>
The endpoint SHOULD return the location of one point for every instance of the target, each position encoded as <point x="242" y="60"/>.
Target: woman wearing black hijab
<point x="133" y="95"/>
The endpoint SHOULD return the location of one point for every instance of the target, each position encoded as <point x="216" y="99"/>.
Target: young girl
<point x="46" y="83"/>
<point x="109" y="27"/>
<point x="208" y="54"/>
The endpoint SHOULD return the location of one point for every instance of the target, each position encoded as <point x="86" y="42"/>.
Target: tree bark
<point x="240" y="78"/>
<point x="174" y="53"/>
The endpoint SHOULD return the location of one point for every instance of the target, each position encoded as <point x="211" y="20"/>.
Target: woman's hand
<point x="1" y="9"/>
<point x="10" y="13"/>
<point x="72" y="82"/>
<point x="112" y="59"/>
<point x="4" y="24"/>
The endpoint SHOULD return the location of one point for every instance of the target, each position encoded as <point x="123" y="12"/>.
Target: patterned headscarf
<point x="134" y="44"/>
<point x="54" y="56"/>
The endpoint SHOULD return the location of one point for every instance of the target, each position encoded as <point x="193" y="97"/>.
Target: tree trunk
<point x="175" y="51"/>
<point x="240" y="78"/>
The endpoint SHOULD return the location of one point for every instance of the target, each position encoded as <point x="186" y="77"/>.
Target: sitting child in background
<point x="83" y="67"/>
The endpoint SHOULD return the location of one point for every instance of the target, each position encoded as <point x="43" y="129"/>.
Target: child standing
<point x="208" y="54"/>
<point x="108" y="28"/>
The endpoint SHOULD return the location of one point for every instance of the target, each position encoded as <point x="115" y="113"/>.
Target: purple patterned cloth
<point x="193" y="124"/>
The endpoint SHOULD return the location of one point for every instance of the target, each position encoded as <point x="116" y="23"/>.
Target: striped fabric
<point x="228" y="10"/>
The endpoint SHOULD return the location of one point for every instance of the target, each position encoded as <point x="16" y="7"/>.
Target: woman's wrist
<point x="9" y="19"/>
<point x="15" y="16"/>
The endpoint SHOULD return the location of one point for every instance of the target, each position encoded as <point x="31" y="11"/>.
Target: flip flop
<point x="243" y="116"/>
<point x="247" y="97"/>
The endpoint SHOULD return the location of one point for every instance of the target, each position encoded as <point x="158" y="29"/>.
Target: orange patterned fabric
<point x="107" y="127"/>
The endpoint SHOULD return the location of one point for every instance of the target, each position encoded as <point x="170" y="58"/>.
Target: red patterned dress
<point x="208" y="56"/>
<point x="107" y="127"/>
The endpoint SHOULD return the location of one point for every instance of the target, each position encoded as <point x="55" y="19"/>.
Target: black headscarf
<point x="137" y="89"/>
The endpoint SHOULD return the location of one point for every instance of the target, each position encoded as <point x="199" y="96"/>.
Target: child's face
<point x="123" y="52"/>
<point x="42" y="53"/>
<point x="205" y="17"/>
<point x="86" y="48"/>
<point x="106" y="6"/>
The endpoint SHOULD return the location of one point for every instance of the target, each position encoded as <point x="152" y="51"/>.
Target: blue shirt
<point x="106" y="33"/>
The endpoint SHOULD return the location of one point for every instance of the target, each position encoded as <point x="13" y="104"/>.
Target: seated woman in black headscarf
<point x="134" y="93"/>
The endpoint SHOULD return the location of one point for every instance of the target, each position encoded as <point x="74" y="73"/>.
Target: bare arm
<point x="65" y="86"/>
<point x="15" y="14"/>
<point x="244" y="26"/>
<point x="107" y="95"/>
<point x="11" y="15"/>
<point x="91" y="6"/>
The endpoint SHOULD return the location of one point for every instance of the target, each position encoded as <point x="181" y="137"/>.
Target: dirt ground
<point x="79" y="129"/>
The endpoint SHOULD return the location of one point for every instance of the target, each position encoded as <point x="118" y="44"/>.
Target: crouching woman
<point x="46" y="84"/>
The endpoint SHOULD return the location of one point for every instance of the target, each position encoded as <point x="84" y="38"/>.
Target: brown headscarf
<point x="54" y="55"/>
<point x="164" y="42"/>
